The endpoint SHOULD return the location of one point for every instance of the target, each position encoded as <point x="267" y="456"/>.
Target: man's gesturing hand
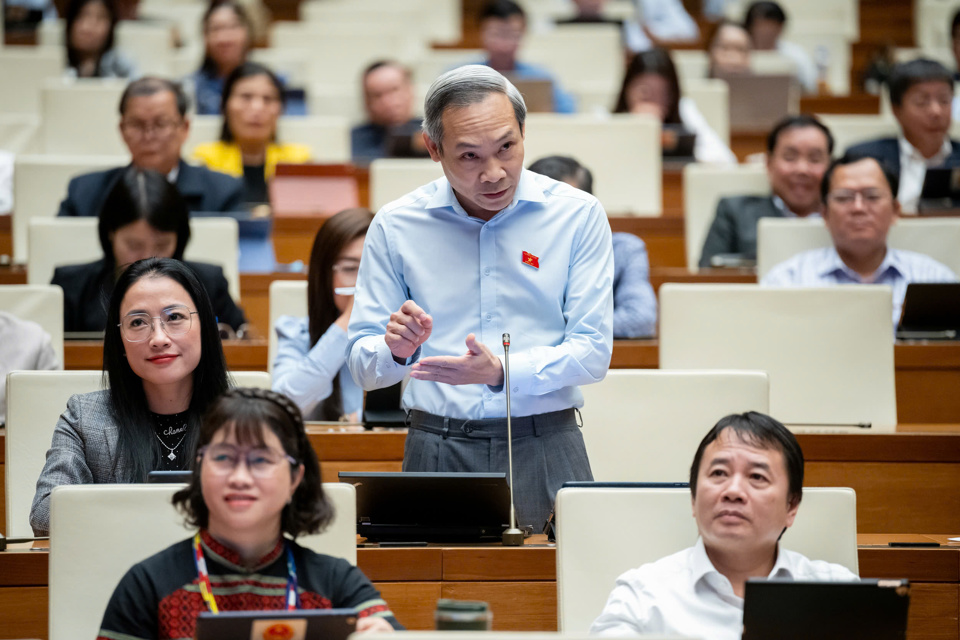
<point x="407" y="330"/>
<point x="477" y="366"/>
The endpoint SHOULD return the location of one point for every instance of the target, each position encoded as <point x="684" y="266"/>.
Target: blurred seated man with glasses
<point x="154" y="127"/>
<point x="860" y="209"/>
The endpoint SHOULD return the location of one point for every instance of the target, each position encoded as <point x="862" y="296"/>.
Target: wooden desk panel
<point x="255" y="296"/>
<point x="6" y="235"/>
<point x="242" y="355"/>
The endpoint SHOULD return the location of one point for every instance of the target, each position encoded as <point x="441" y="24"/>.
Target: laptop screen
<point x="304" y="624"/>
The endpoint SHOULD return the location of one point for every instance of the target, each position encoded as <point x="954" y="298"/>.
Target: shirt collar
<point x="785" y="210"/>
<point x="227" y="556"/>
<point x="527" y="190"/>
<point x="833" y="262"/>
<point x="174" y="174"/>
<point x="907" y="150"/>
<point x="701" y="566"/>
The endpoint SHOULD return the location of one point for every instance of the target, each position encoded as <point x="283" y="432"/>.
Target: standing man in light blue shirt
<point x="860" y="209"/>
<point x="488" y="249"/>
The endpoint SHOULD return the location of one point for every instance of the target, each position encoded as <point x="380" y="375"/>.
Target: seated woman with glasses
<point x="256" y="480"/>
<point x="143" y="216"/>
<point x="310" y="364"/>
<point x="252" y="102"/>
<point x="164" y="363"/>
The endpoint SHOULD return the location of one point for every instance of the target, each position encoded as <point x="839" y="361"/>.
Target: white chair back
<point x="712" y="97"/>
<point x="129" y="523"/>
<point x="327" y="136"/>
<point x="435" y="62"/>
<point x="779" y="239"/>
<point x="588" y="565"/>
<point x="27" y="69"/>
<point x="55" y="242"/>
<point x="828" y="351"/>
<point x="645" y="425"/>
<point x="40" y="184"/>
<point x="703" y="187"/>
<point x="255" y="379"/>
<point x="149" y="43"/>
<point x="622" y="151"/>
<point x="19" y="132"/>
<point x="338" y="100"/>
<point x="80" y="117"/>
<point x="287" y="298"/>
<point x="41" y="303"/>
<point x="580" y="56"/>
<point x="392" y="178"/>
<point x="35" y="400"/>
<point x="848" y="130"/>
<point x="692" y="65"/>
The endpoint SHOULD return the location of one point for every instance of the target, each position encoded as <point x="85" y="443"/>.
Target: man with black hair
<point x="921" y="92"/>
<point x="764" y="21"/>
<point x="860" y="209"/>
<point x="746" y="483"/>
<point x="154" y="127"/>
<point x="798" y="152"/>
<point x="388" y="99"/>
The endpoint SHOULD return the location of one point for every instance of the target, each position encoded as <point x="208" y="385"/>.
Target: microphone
<point x="512" y="537"/>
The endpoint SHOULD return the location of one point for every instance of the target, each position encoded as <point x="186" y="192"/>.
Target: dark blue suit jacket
<point x="201" y="188"/>
<point x="887" y="151"/>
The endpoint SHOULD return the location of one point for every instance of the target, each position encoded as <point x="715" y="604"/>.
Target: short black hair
<point x="502" y="10"/>
<point x="150" y="85"/>
<point x="379" y="64"/>
<point x="849" y="158"/>
<point x="954" y="24"/>
<point x="764" y="10"/>
<point x="907" y="74"/>
<point x="247" y="412"/>
<point x="797" y="122"/>
<point x="246" y="70"/>
<point x="762" y="431"/>
<point x="562" y="168"/>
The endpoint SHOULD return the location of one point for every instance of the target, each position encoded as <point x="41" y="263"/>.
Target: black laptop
<point x="430" y="507"/>
<point x="940" y="194"/>
<point x="779" y="609"/>
<point x="302" y="624"/>
<point x="931" y="311"/>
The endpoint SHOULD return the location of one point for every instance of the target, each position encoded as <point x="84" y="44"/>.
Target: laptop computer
<point x="537" y="93"/>
<point x="779" y="609"/>
<point x="169" y="477"/>
<point x="940" y="194"/>
<point x="381" y="408"/>
<point x="678" y="143"/>
<point x="931" y="311"/>
<point x="757" y="102"/>
<point x="430" y="507"/>
<point x="302" y="624"/>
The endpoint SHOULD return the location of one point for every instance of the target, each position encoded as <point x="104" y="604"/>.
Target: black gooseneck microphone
<point x="512" y="537"/>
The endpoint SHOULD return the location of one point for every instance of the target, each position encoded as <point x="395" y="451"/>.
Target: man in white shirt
<point x="921" y="92"/>
<point x="747" y="482"/>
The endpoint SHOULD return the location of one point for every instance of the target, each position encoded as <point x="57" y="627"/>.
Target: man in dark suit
<point x="388" y="98"/>
<point x="154" y="127"/>
<point x="798" y="153"/>
<point x="921" y="93"/>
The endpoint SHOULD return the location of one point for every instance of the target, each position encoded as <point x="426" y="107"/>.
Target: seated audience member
<point x="388" y="97"/>
<point x="227" y="39"/>
<point x="255" y="480"/>
<point x="661" y="20"/>
<point x="143" y="217"/>
<point x="164" y="363"/>
<point x="798" y="153"/>
<point x="502" y="27"/>
<point x="634" y="303"/>
<point x="764" y="22"/>
<point x="310" y="366"/>
<point x="24" y="346"/>
<point x="89" y="38"/>
<point x="921" y="92"/>
<point x="650" y="85"/>
<point x="860" y="208"/>
<point x="746" y="482"/>
<point x="728" y="50"/>
<point x="154" y="127"/>
<point x="252" y="102"/>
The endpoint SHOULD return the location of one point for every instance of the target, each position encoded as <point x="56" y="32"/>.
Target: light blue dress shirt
<point x="305" y="374"/>
<point x="469" y="275"/>
<point x="820" y="267"/>
<point x="634" y="303"/>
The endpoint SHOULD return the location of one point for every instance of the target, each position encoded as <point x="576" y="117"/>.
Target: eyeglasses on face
<point x="261" y="462"/>
<point x="175" y="321"/>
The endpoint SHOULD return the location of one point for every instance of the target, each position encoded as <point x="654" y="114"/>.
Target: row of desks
<point x="927" y="374"/>
<point x="519" y="583"/>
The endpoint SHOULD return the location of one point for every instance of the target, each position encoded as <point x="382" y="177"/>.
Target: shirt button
<point x="486" y="271"/>
<point x="489" y="317"/>
<point x="516" y="389"/>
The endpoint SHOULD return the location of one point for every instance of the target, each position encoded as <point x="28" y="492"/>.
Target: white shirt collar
<point x="910" y="152"/>
<point x="701" y="567"/>
<point x="787" y="213"/>
<point x="174" y="174"/>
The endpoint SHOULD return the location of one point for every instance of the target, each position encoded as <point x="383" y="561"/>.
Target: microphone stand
<point x="512" y="537"/>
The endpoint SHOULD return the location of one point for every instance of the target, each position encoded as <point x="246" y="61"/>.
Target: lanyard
<point x="206" y="590"/>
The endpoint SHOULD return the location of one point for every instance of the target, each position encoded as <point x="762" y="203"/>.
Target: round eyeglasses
<point x="175" y="321"/>
<point x="261" y="461"/>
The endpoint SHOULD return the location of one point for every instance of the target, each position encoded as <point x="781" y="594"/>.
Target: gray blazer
<point x="734" y="228"/>
<point x="84" y="451"/>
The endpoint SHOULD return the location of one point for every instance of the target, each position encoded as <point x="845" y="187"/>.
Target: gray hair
<point x="462" y="87"/>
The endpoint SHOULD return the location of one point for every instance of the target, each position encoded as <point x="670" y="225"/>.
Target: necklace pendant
<point x="172" y="455"/>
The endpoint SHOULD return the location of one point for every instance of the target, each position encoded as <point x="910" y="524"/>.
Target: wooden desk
<point x="6" y="236"/>
<point x="519" y="583"/>
<point x="242" y="355"/>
